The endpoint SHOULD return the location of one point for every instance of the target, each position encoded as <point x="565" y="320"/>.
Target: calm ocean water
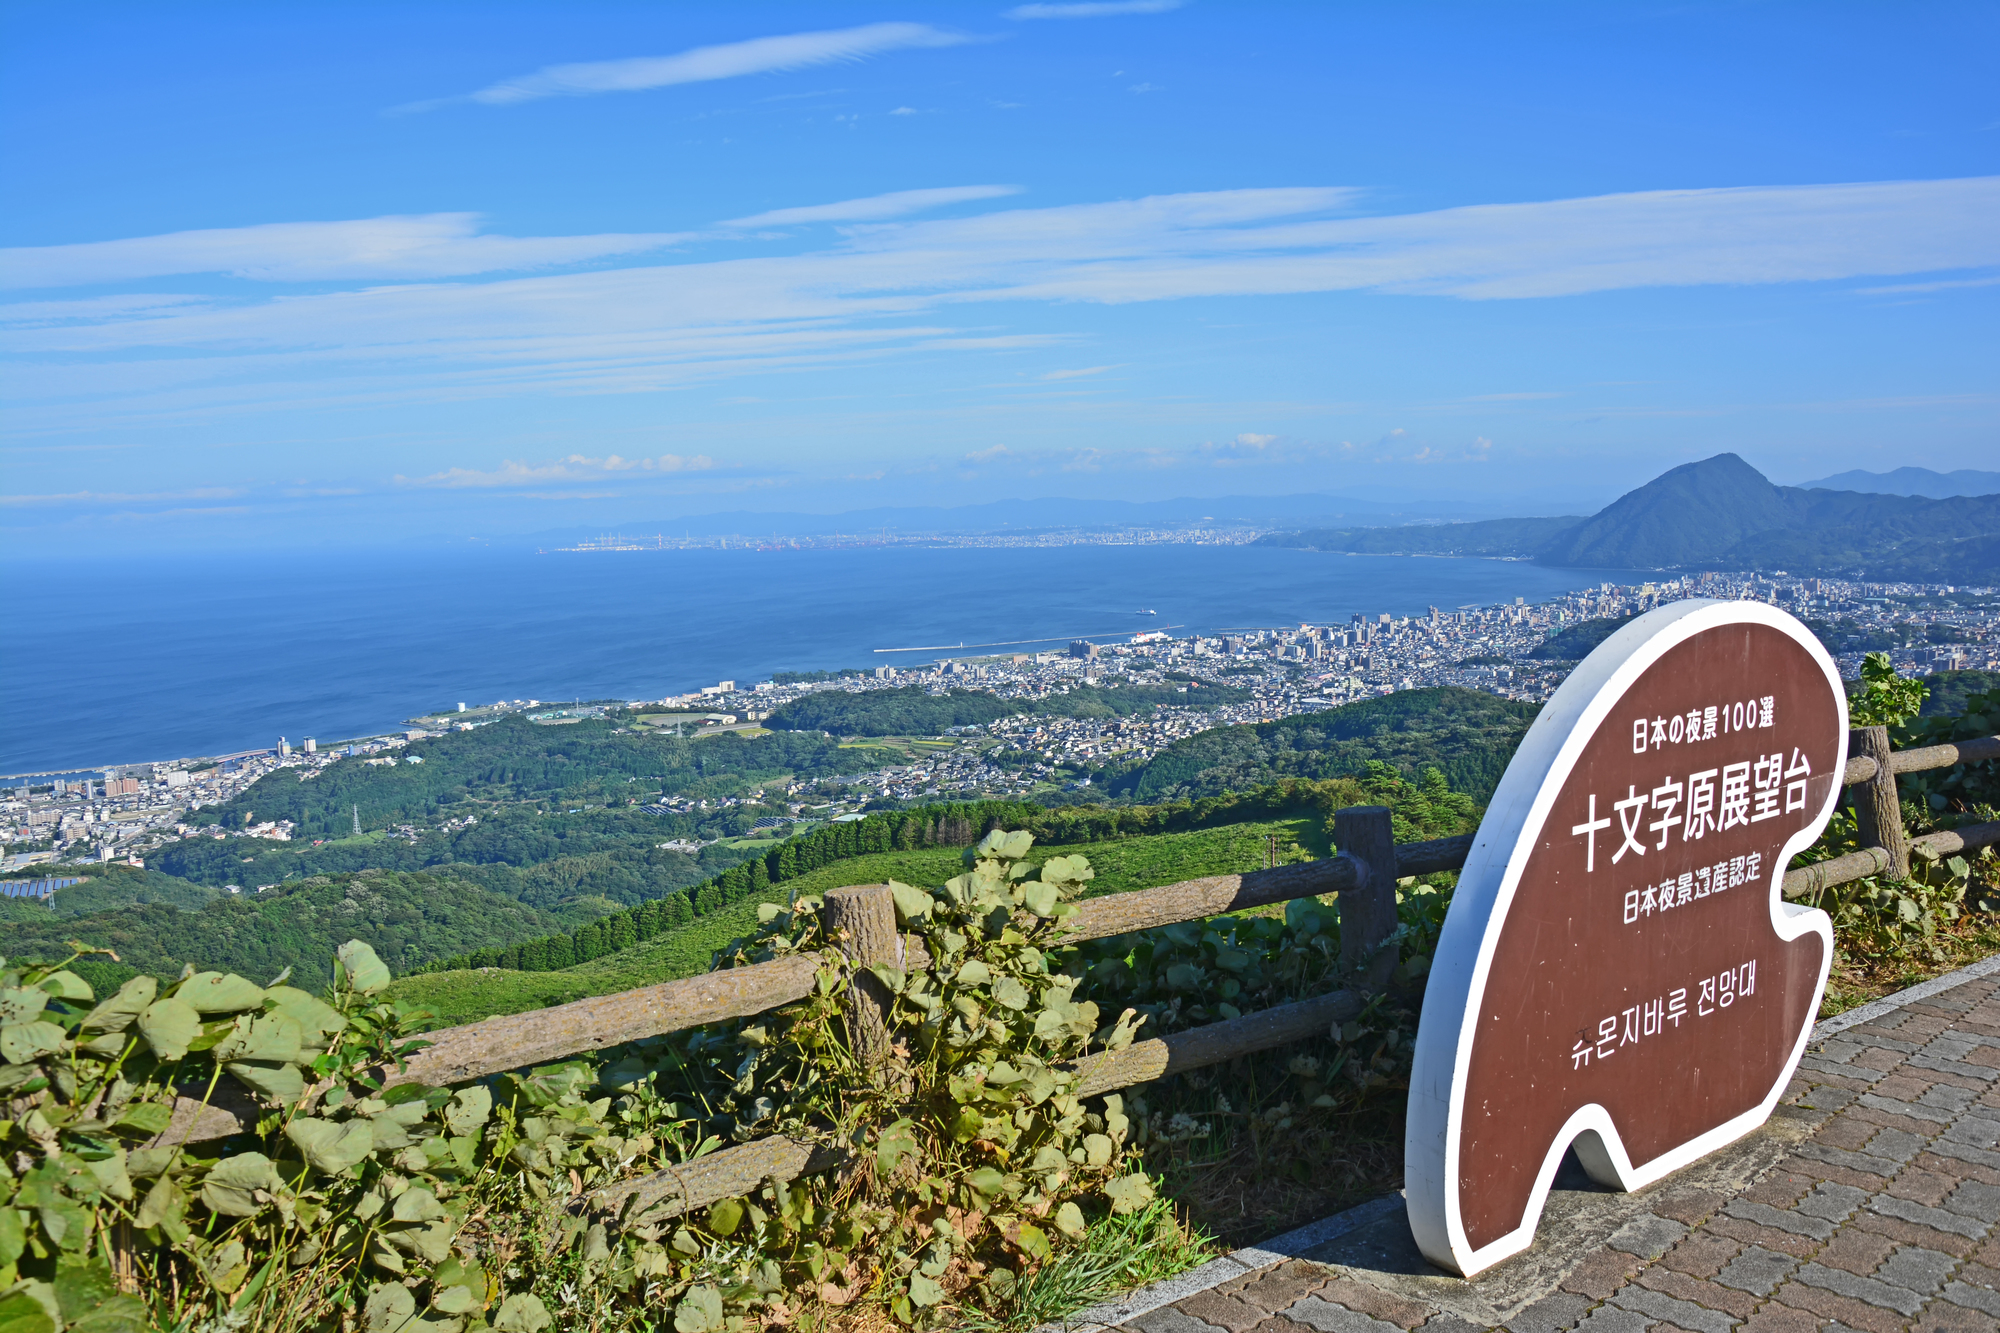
<point x="216" y="654"/>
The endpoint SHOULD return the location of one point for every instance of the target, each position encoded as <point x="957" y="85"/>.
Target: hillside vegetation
<point x="1467" y="735"/>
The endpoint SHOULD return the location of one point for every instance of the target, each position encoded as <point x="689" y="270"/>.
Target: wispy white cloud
<point x="876" y="207"/>
<point x="885" y="288"/>
<point x="1092" y="9"/>
<point x="576" y="467"/>
<point x="1077" y="374"/>
<point x="430" y="245"/>
<point x="702" y="64"/>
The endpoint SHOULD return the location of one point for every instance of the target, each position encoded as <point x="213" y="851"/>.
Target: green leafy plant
<point x="1885" y="698"/>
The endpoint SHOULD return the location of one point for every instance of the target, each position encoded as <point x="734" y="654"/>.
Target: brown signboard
<point x="1618" y="970"/>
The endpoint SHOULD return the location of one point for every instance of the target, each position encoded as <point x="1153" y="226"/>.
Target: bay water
<point x="210" y="654"/>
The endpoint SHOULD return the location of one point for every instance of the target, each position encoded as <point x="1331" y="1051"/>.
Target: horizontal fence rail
<point x="516" y="1041"/>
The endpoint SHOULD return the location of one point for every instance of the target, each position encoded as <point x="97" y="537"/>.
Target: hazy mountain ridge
<point x="1910" y="481"/>
<point x="1721" y="513"/>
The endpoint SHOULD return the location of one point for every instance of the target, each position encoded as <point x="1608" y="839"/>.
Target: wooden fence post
<point x="861" y="920"/>
<point x="1878" y="812"/>
<point x="1368" y="911"/>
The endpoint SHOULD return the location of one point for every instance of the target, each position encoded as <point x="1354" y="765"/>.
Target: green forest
<point x="911" y="710"/>
<point x="1465" y="734"/>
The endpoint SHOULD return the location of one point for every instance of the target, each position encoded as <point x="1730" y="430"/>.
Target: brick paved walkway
<point x="1869" y="1204"/>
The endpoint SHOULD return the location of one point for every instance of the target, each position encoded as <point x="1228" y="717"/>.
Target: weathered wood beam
<point x="726" y="1174"/>
<point x="1195" y="899"/>
<point x="1427" y="858"/>
<point x="1213" y="1043"/>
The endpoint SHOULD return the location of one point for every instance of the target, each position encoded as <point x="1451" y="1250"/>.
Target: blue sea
<point x="189" y="655"/>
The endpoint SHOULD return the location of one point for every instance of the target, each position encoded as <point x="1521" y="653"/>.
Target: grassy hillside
<point x="1121" y="864"/>
<point x="407" y="919"/>
<point x="1466" y="734"/>
<point x="1579" y="641"/>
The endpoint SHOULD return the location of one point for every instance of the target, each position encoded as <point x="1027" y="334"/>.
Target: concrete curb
<point x="1105" y="1317"/>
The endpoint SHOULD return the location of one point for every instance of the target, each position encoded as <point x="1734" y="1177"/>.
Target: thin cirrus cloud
<point x="703" y="64"/>
<point x="876" y="207"/>
<point x="893" y="287"/>
<point x="1092" y="9"/>
<point x="432" y="245"/>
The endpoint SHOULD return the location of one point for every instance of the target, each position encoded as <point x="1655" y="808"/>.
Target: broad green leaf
<point x="22" y="1313"/>
<point x="365" y="972"/>
<point x="893" y="1144"/>
<point x="168" y="1027"/>
<point x="1011" y="993"/>
<point x="219" y="993"/>
<point x="912" y="905"/>
<point x="312" y="1014"/>
<point x="273" y="1082"/>
<point x="523" y="1313"/>
<point x="986" y="1181"/>
<point x="1098" y="1149"/>
<point x="974" y="973"/>
<point x="725" y="1217"/>
<point x="429" y="1241"/>
<point x="416" y="1204"/>
<point x="109" y="1173"/>
<point x="1032" y="1240"/>
<point x="22" y="1042"/>
<point x="13" y="1235"/>
<point x="119" y="1314"/>
<point x="700" y="1311"/>
<point x="82" y="1287"/>
<point x="390" y="1307"/>
<point x="924" y="1293"/>
<point x="22" y="1005"/>
<point x="232" y="1184"/>
<point x="1128" y="1194"/>
<point x="1040" y="897"/>
<point x="66" y="986"/>
<point x="116" y="1013"/>
<point x="329" y="1147"/>
<point x="274" y="1038"/>
<point x="165" y="1202"/>
<point x="468" y="1110"/>
<point x="1069" y="1221"/>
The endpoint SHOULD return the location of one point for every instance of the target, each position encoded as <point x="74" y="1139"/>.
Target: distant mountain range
<point x="1910" y="481"/>
<point x="1721" y="513"/>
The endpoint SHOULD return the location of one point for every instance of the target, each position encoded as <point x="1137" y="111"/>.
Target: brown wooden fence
<point x="1364" y="874"/>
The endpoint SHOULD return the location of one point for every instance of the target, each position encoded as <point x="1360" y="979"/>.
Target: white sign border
<point x="1457" y="982"/>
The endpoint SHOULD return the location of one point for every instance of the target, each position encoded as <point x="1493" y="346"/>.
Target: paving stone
<point x="1378" y="1304"/>
<point x="1832" y="1201"/>
<point x="1980" y="1275"/>
<point x="1687" y="1314"/>
<point x="1797" y="1223"/>
<point x="1850" y="1313"/>
<point x="1702" y="1254"/>
<point x="1450" y="1323"/>
<point x="1956" y="1166"/>
<point x="1695" y="1291"/>
<point x="1975" y="1199"/>
<point x="1686" y="1206"/>
<point x="1880" y="1058"/>
<point x="1331" y="1318"/>
<point x="1169" y="1319"/>
<point x="1872" y="1290"/>
<point x="1613" y="1319"/>
<point x="1223" y="1311"/>
<point x="1756" y="1270"/>
<point x="1772" y="1317"/>
<point x="1948" y="1097"/>
<point x="1945" y="1146"/>
<point x="1944" y="1317"/>
<point x="1857" y="1251"/>
<point x="1973" y="1298"/>
<point x="1865" y="1181"/>
<point x="1780" y="1189"/>
<point x="1897" y="1145"/>
<point x="1648" y="1235"/>
<point x="1891" y="1206"/>
<point x="1826" y="1097"/>
<point x="1848" y="1132"/>
<point x="1602" y="1273"/>
<point x="1979" y="1073"/>
<point x="1551" y="1314"/>
<point x="1881" y="1167"/>
<point x="1277" y="1287"/>
<point x="1908" y="1113"/>
<point x="1921" y="1186"/>
<point x="1922" y="1271"/>
<point x="1912" y="1233"/>
<point x="1786" y="1242"/>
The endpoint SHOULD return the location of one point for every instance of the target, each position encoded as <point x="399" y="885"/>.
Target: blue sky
<point x="354" y="272"/>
